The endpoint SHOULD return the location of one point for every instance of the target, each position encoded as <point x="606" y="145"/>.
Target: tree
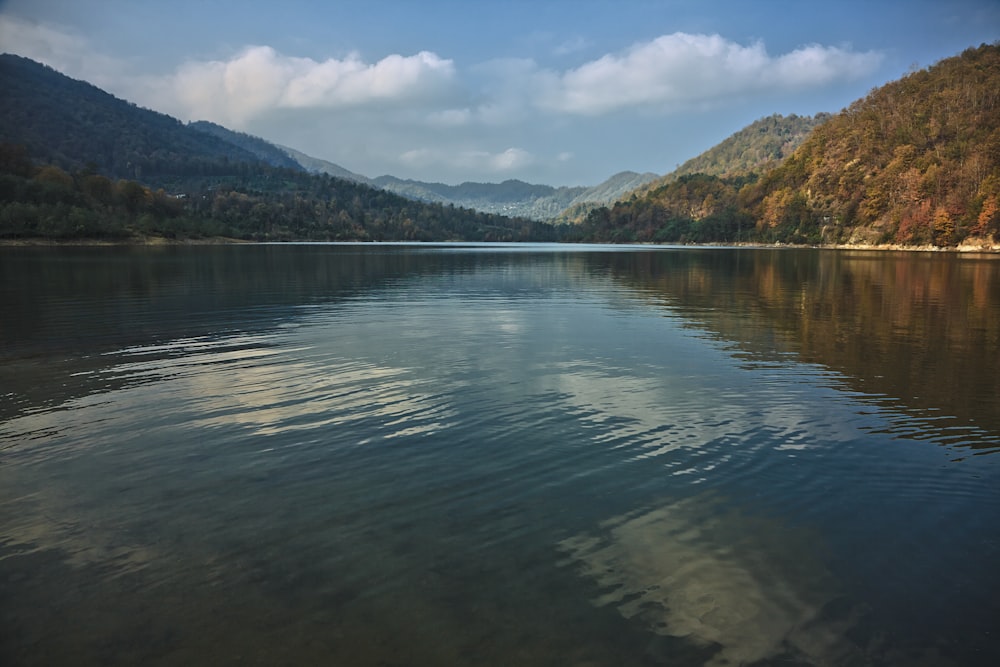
<point x="944" y="227"/>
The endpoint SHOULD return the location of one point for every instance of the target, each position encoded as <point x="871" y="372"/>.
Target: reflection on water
<point x="481" y="456"/>
<point x="920" y="328"/>
<point x="724" y="579"/>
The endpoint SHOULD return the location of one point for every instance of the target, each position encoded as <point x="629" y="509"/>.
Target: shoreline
<point x="980" y="247"/>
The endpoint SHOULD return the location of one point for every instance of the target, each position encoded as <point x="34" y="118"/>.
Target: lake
<point x="498" y="455"/>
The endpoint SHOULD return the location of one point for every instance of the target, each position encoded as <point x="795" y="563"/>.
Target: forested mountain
<point x="915" y="162"/>
<point x="511" y="197"/>
<point x="263" y="150"/>
<point x="514" y="197"/>
<point x="605" y="194"/>
<point x="72" y="124"/>
<point x="258" y="203"/>
<point x="757" y="147"/>
<point x="76" y="162"/>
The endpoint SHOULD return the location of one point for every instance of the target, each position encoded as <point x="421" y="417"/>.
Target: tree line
<point x="252" y="202"/>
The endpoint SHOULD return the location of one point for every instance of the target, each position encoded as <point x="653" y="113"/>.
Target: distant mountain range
<point x="517" y="198"/>
<point x="122" y="140"/>
<point x="511" y="197"/>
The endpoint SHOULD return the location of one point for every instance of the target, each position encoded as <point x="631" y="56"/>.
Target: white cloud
<point x="686" y="71"/>
<point x="260" y="79"/>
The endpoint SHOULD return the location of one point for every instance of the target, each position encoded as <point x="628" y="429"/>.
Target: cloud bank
<point x="670" y="73"/>
<point x="682" y="71"/>
<point x="260" y="79"/>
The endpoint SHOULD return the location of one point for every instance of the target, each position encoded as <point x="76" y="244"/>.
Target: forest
<point x="256" y="202"/>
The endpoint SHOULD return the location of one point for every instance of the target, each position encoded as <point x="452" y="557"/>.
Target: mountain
<point x="605" y="194"/>
<point x="758" y="147"/>
<point x="614" y="188"/>
<point x="511" y="197"/>
<point x="72" y="124"/>
<point x="317" y="166"/>
<point x="77" y="162"/>
<point x="514" y="197"/>
<point x="916" y="162"/>
<point x="763" y="144"/>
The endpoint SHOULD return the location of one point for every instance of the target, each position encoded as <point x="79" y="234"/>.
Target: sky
<point x="561" y="92"/>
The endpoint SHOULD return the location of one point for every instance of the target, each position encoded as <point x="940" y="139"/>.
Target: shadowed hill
<point x="72" y="124"/>
<point x="79" y="163"/>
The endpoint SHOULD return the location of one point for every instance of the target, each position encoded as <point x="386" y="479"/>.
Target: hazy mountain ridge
<point x="511" y="197"/>
<point x="514" y="197"/>
<point x="263" y="150"/>
<point x="316" y="165"/>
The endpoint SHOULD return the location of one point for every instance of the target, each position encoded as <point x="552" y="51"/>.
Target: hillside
<point x="72" y="124"/>
<point x="76" y="162"/>
<point x="758" y="147"/>
<point x="264" y="151"/>
<point x="916" y="162"/>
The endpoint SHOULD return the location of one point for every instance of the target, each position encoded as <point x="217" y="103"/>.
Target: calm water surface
<point x="513" y="455"/>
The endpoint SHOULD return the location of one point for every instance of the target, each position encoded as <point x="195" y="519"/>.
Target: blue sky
<point x="559" y="92"/>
